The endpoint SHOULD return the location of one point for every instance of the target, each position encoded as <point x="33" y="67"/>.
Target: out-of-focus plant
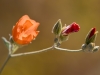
<point x="25" y="30"/>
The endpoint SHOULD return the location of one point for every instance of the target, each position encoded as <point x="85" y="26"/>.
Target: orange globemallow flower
<point x="25" y="30"/>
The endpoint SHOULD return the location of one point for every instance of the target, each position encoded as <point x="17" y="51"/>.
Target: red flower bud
<point x="92" y="32"/>
<point x="91" y="36"/>
<point x="74" y="27"/>
<point x="89" y="45"/>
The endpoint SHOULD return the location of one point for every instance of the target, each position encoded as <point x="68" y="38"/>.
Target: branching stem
<point x="34" y="52"/>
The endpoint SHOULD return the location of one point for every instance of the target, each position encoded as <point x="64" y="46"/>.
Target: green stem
<point x="7" y="59"/>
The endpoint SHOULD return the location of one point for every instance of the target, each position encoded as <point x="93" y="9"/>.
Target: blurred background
<point x="53" y="62"/>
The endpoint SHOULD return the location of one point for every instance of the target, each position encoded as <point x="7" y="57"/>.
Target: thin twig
<point x="68" y="49"/>
<point x="21" y="54"/>
<point x="7" y="59"/>
<point x="4" y="64"/>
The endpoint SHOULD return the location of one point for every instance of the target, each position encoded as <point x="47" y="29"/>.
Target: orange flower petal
<point x="25" y="30"/>
<point x="23" y="19"/>
<point x="27" y="24"/>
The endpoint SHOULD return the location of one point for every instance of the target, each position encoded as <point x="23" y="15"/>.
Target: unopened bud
<point x="74" y="27"/>
<point x="91" y="36"/>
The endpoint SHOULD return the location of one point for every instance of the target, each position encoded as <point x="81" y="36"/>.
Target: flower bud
<point x="74" y="27"/>
<point x="91" y="36"/>
<point x="89" y="45"/>
<point x="57" y="28"/>
<point x="66" y="30"/>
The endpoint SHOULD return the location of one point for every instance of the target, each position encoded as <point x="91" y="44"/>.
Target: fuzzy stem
<point x="7" y="59"/>
<point x="68" y="49"/>
<point x="33" y="52"/>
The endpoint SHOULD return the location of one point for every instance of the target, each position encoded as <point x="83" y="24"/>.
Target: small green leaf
<point x="6" y="42"/>
<point x="57" y="28"/>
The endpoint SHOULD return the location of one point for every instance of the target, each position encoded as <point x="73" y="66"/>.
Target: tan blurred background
<point x="84" y="12"/>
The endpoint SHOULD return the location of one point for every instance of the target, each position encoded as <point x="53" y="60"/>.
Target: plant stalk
<point x="7" y="59"/>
